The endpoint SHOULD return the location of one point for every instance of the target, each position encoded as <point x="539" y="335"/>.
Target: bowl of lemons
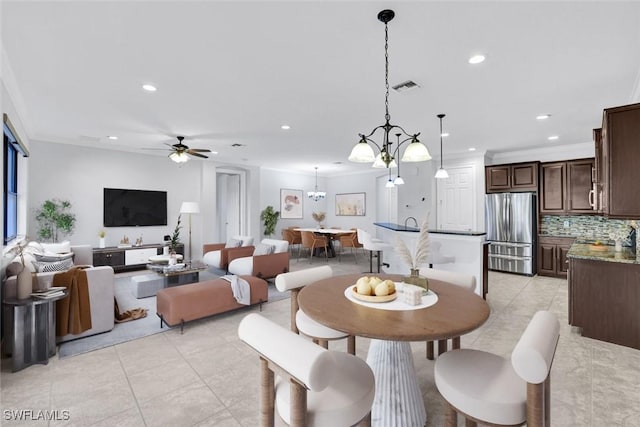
<point x="374" y="289"/>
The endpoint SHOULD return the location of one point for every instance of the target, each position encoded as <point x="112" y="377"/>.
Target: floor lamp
<point x="190" y="208"/>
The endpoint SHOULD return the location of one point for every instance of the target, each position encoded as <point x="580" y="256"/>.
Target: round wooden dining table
<point x="398" y="400"/>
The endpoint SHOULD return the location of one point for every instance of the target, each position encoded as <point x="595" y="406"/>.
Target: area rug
<point x="127" y="331"/>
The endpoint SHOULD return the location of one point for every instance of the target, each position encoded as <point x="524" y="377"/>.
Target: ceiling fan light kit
<point x="363" y="151"/>
<point x="180" y="152"/>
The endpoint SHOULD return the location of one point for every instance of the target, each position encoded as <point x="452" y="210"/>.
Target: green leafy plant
<point x="54" y="219"/>
<point x="269" y="218"/>
<point x="175" y="238"/>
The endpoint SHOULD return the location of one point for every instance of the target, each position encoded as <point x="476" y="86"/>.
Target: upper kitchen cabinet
<point x="565" y="187"/>
<point x="620" y="174"/>
<point x="513" y="177"/>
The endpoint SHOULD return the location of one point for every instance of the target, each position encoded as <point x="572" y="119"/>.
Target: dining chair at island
<point x="315" y="386"/>
<point x="300" y="322"/>
<point x="504" y="391"/>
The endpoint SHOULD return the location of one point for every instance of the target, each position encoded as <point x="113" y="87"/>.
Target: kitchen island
<point x="460" y="251"/>
<point x="604" y="293"/>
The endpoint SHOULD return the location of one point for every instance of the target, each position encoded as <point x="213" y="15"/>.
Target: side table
<point x="34" y="330"/>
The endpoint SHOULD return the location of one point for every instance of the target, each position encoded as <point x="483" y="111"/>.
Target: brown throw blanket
<point x="73" y="314"/>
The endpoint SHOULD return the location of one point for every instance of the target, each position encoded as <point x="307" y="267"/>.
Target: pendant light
<point x="398" y="180"/>
<point x="442" y="173"/>
<point x="362" y="152"/>
<point x="316" y="195"/>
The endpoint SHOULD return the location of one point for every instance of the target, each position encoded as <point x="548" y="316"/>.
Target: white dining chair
<point x="314" y="387"/>
<point x="300" y="322"/>
<point x="490" y="389"/>
<point x="467" y="281"/>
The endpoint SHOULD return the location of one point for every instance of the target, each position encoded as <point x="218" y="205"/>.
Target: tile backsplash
<point x="588" y="228"/>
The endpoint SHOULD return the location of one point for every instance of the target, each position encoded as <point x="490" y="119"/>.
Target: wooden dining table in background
<point x="330" y="234"/>
<point x="398" y="400"/>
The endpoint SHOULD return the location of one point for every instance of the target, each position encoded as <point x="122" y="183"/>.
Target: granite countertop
<point x="583" y="251"/>
<point x="398" y="227"/>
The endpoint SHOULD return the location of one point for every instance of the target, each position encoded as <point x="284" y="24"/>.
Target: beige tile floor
<point x="207" y="377"/>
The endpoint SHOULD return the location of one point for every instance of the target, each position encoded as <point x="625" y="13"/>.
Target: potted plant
<point x="101" y="234"/>
<point x="54" y="218"/>
<point x="269" y="218"/>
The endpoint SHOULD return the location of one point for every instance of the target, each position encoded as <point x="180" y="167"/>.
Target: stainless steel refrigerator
<point x="511" y="230"/>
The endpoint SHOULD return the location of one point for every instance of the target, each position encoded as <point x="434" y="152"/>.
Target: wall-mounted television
<point x="132" y="208"/>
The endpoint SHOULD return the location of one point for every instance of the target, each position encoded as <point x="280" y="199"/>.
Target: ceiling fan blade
<point x="197" y="154"/>
<point x="200" y="150"/>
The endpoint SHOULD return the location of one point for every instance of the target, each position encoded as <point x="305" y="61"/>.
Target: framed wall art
<point x="351" y="204"/>
<point x="290" y="203"/>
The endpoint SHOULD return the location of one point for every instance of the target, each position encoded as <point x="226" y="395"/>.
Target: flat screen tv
<point x="131" y="208"/>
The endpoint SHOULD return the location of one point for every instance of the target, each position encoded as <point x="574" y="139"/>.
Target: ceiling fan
<point x="180" y="151"/>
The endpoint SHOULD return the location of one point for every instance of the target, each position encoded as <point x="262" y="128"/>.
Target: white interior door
<point x="228" y="206"/>
<point x="456" y="197"/>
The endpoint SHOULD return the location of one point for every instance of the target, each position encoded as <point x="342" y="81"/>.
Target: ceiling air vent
<point x="405" y="86"/>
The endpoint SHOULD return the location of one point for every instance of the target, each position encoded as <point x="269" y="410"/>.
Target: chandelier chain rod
<point x="386" y="72"/>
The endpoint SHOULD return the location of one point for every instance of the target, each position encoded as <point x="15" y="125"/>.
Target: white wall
<point x="79" y="174"/>
<point x="548" y="153"/>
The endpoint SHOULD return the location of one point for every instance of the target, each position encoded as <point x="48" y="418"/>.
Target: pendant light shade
<point x="441" y="173"/>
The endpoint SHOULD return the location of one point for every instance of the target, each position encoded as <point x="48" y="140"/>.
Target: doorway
<point x="230" y="204"/>
<point x="456" y="196"/>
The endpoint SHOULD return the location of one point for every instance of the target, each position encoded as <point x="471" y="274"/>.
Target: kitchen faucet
<point x="414" y="220"/>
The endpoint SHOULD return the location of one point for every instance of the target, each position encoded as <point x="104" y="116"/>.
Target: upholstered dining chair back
<point x="295" y="281"/>
<point x="311" y="241"/>
<point x="504" y="391"/>
<point x="315" y="386"/>
<point x="464" y="280"/>
<point x="300" y="322"/>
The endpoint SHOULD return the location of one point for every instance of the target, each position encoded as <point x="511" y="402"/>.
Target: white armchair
<point x="217" y="254"/>
<point x="263" y="262"/>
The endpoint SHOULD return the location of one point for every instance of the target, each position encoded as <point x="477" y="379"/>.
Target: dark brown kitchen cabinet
<point x="620" y="159"/>
<point x="552" y="256"/>
<point x="603" y="300"/>
<point x="512" y="177"/>
<point x="565" y="187"/>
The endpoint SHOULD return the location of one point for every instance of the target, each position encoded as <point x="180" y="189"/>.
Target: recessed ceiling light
<point x="112" y="137"/>
<point x="477" y="59"/>
<point x="444" y="134"/>
<point x="285" y="127"/>
<point x="472" y="149"/>
<point x="553" y="137"/>
<point x="543" y="116"/>
<point x="149" y="88"/>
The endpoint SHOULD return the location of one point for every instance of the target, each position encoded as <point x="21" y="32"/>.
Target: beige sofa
<point x="101" y="294"/>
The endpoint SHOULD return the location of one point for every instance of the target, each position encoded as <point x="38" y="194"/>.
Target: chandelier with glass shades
<point x="316" y="195"/>
<point x="387" y="154"/>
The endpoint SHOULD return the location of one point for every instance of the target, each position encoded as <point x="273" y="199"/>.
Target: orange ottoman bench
<point x="181" y="304"/>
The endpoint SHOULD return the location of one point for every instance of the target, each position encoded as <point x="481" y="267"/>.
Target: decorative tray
<point x="600" y="248"/>
<point x="373" y="298"/>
